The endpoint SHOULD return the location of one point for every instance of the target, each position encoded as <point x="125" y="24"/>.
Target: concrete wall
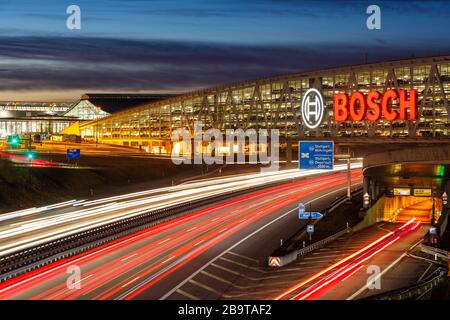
<point x="385" y="209"/>
<point x="436" y="154"/>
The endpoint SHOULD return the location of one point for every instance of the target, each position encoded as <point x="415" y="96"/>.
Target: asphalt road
<point x="153" y="263"/>
<point x="27" y="228"/>
<point x="242" y="273"/>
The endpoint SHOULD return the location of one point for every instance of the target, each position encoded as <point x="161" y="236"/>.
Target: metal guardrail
<point x="321" y="243"/>
<point x="434" y="251"/>
<point x="35" y="257"/>
<point x="416" y="291"/>
<point x="291" y="242"/>
<point x="293" y="255"/>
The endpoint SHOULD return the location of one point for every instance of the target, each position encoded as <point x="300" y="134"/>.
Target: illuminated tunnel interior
<point x="404" y="208"/>
<point x="401" y="191"/>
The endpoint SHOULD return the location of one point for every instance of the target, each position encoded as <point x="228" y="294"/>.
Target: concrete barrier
<point x="280" y="261"/>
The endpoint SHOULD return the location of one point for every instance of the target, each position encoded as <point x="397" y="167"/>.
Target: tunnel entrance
<point x="404" y="208"/>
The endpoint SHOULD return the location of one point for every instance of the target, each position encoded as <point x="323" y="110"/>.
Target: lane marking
<point x="405" y="254"/>
<point x="161" y="242"/>
<point x="130" y="256"/>
<point x="168" y="259"/>
<point x="244" y="239"/>
<point x="187" y="295"/>
<point x="241" y="256"/>
<point x="79" y="281"/>
<point x="198" y="242"/>
<point x="201" y="285"/>
<point x="129" y="282"/>
<point x="357" y="293"/>
<point x="425" y="272"/>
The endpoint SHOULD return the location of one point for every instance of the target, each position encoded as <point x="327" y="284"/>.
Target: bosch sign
<point x="374" y="105"/>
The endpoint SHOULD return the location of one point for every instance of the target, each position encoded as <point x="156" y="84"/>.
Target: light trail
<point x="347" y="266"/>
<point x="31" y="227"/>
<point x="133" y="264"/>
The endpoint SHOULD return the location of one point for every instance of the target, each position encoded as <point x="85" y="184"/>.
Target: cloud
<point x="103" y="64"/>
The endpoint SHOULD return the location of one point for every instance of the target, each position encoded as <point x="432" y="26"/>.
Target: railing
<point x="292" y="241"/>
<point x="416" y="291"/>
<point x="434" y="251"/>
<point x="321" y="243"/>
<point x="293" y="255"/>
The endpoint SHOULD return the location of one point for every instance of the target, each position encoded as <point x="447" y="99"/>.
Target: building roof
<point x="114" y="102"/>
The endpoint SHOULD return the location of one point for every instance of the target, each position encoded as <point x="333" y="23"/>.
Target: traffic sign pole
<point x="349" y="181"/>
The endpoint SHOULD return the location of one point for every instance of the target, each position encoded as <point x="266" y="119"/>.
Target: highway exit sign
<point x="316" y="154"/>
<point x="73" y="153"/>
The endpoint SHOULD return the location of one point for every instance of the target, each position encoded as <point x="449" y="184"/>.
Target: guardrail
<point x="290" y="243"/>
<point x="279" y="261"/>
<point x="416" y="291"/>
<point x="35" y="257"/>
<point x="444" y="254"/>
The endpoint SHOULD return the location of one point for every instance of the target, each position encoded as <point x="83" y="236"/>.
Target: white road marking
<point x="126" y="258"/>
<point x="425" y="272"/>
<point x="357" y="293"/>
<point x="187" y="295"/>
<point x="244" y="239"/>
<point x="168" y="259"/>
<point x="161" y="242"/>
<point x="197" y="243"/>
<point x="129" y="282"/>
<point x="79" y="281"/>
<point x="244" y="257"/>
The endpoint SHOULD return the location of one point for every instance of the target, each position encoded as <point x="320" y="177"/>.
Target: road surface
<point x="31" y="227"/>
<point x="151" y="263"/>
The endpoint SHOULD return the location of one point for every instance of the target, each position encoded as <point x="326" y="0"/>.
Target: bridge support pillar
<point x="377" y="189"/>
<point x="374" y="190"/>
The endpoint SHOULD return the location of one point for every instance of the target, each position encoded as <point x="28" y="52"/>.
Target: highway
<point x="339" y="270"/>
<point x="329" y="280"/>
<point x="151" y="263"/>
<point x="27" y="228"/>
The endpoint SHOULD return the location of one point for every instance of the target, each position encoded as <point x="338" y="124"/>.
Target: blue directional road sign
<point x="310" y="228"/>
<point x="316" y="154"/>
<point x="73" y="153"/>
<point x="301" y="212"/>
<point x="316" y="215"/>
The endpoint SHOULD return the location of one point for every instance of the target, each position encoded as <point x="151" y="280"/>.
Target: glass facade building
<point x="275" y="103"/>
<point x="33" y="117"/>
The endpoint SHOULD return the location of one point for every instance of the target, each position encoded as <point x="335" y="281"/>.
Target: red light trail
<point x="133" y="264"/>
<point x="346" y="267"/>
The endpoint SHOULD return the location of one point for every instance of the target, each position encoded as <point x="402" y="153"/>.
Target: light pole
<point x="348" y="158"/>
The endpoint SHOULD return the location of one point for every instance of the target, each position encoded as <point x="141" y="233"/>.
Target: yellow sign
<point x="402" y="192"/>
<point x="422" y="192"/>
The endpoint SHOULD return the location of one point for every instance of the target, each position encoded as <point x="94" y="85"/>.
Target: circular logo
<point x="312" y="108"/>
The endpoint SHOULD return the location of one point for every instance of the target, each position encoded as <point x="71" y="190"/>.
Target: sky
<point x="177" y="46"/>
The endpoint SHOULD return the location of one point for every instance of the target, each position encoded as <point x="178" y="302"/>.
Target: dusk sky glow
<point x="177" y="46"/>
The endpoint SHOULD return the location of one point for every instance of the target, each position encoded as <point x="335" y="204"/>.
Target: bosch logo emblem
<point x="312" y="108"/>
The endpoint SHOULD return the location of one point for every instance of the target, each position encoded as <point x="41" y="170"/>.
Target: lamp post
<point x="433" y="206"/>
